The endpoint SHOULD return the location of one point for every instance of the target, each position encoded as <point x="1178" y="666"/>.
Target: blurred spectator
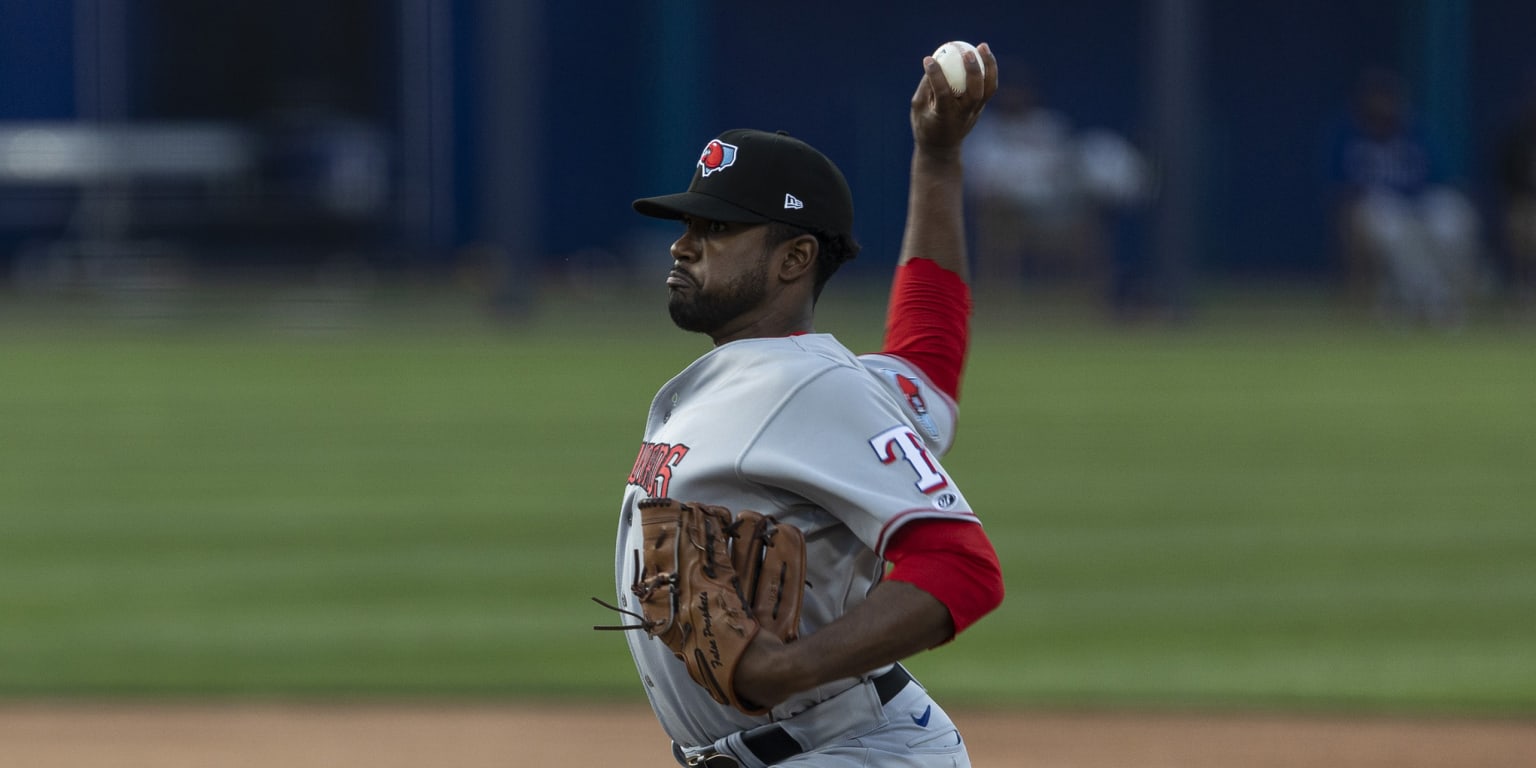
<point x="1041" y="193"/>
<point x="1517" y="173"/>
<point x="1409" y="239"/>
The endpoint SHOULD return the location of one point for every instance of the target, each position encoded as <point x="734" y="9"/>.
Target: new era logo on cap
<point x="792" y="203"/>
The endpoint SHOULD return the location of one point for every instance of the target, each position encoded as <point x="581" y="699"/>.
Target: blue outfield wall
<point x="1277" y="77"/>
<point x="631" y="90"/>
<point x="36" y="60"/>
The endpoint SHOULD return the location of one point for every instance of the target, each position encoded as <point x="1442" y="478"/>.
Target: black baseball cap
<point x="755" y="177"/>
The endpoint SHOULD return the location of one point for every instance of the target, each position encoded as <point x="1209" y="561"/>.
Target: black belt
<point x="774" y="744"/>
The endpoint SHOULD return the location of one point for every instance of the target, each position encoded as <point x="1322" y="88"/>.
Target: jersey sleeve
<point x="953" y="562"/>
<point x="927" y="322"/>
<point x="927" y="406"/>
<point x="843" y="444"/>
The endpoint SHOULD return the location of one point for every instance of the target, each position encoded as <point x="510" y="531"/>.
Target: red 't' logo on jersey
<point x="653" y="467"/>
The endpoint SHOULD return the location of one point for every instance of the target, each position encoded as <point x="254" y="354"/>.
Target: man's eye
<point x="716" y="227"/>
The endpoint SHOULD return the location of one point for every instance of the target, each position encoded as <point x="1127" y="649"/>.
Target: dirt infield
<point x="379" y="736"/>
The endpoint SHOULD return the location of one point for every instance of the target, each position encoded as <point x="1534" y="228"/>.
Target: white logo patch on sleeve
<point x="913" y="391"/>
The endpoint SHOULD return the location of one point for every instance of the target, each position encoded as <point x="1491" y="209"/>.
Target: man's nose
<point x="685" y="248"/>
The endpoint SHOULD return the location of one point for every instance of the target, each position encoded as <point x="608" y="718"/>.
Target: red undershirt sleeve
<point x="927" y="322"/>
<point x="952" y="560"/>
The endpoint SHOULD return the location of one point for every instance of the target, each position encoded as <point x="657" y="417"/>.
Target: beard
<point x="699" y="311"/>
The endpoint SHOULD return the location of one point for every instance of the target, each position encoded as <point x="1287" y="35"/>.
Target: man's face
<point x="719" y="276"/>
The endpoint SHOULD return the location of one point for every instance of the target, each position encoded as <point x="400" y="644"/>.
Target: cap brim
<point x="697" y="205"/>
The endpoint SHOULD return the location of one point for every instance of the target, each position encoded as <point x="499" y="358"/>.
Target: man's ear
<point x="798" y="258"/>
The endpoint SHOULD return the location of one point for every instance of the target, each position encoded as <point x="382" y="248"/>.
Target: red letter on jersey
<point x="653" y="467"/>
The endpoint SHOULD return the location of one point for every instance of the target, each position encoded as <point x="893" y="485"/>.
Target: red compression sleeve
<point x="952" y="560"/>
<point x="928" y="322"/>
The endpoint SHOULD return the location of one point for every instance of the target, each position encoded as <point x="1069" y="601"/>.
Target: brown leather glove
<point x="708" y="583"/>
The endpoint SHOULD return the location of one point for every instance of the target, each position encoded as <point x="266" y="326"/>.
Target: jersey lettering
<point x="904" y="441"/>
<point x="653" y="467"/>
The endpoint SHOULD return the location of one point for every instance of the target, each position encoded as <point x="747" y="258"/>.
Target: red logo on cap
<point x="717" y="155"/>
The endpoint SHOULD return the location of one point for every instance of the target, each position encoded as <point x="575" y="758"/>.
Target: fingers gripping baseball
<point x="707" y="584"/>
<point x="942" y="114"/>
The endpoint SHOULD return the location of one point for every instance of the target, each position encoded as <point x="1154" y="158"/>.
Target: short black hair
<point x="831" y="250"/>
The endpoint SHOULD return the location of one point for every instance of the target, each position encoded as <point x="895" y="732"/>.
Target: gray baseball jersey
<point x="846" y="448"/>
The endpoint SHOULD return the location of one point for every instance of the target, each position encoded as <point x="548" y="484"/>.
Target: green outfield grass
<point x="1312" y="515"/>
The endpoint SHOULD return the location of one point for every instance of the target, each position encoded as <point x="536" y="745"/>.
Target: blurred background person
<point x="1043" y="194"/>
<point x="1409" y="239"/>
<point x="1517" y="176"/>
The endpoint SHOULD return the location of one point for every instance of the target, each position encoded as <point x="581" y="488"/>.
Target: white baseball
<point x="949" y="58"/>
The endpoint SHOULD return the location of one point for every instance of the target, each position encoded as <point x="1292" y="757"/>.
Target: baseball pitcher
<point x="788" y="533"/>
